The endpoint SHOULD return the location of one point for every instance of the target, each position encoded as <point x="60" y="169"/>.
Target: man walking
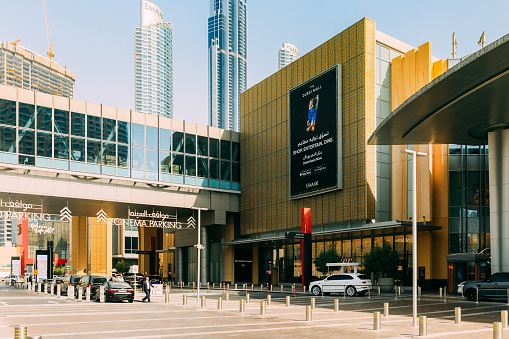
<point x="146" y="288"/>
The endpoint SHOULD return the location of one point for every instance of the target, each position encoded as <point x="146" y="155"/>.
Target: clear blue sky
<point x="95" y="38"/>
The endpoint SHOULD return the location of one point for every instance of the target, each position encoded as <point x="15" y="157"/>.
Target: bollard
<point x="59" y="290"/>
<point x="252" y="287"/>
<point x="313" y="300"/>
<point x="87" y="294"/>
<point x="227" y="296"/>
<point x="70" y="292"/>
<point x="80" y="294"/>
<point x="440" y="292"/>
<point x="287" y="301"/>
<point x="445" y="295"/>
<point x="52" y="289"/>
<point x="268" y="300"/>
<point x="386" y="309"/>
<point x="507" y="296"/>
<point x="235" y="286"/>
<point x="282" y="288"/>
<point x="39" y="288"/>
<point x="248" y="299"/>
<point x="457" y="315"/>
<point x="503" y="318"/>
<point x="30" y="287"/>
<point x="184" y="300"/>
<point x="396" y="292"/>
<point x="477" y="294"/>
<point x="263" y="306"/>
<point x="336" y="305"/>
<point x="203" y="301"/>
<point x="377" y="321"/>
<point x="419" y="292"/>
<point x="219" y="303"/>
<point x="166" y="298"/>
<point x="423" y="326"/>
<point x="309" y="314"/>
<point x="261" y="287"/>
<point x="379" y="291"/>
<point x="271" y="288"/>
<point x="213" y="285"/>
<point x="101" y="293"/>
<point x="399" y="290"/>
<point x="34" y="337"/>
<point x="228" y="286"/>
<point x="242" y="305"/>
<point x="369" y="292"/>
<point x="20" y="332"/>
<point x="45" y="288"/>
<point x="497" y="330"/>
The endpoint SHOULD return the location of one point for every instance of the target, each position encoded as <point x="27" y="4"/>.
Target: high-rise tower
<point x="227" y="42"/>
<point x="153" y="63"/>
<point x="287" y="54"/>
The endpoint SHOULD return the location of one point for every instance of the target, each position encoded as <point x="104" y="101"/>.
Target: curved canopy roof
<point x="459" y="107"/>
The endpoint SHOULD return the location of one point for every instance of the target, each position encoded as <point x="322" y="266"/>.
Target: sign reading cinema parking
<point x="315" y="135"/>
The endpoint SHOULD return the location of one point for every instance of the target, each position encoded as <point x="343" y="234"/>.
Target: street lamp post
<point x="414" y="230"/>
<point x="199" y="247"/>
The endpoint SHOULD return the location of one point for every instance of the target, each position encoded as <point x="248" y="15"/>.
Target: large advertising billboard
<point x="315" y="135"/>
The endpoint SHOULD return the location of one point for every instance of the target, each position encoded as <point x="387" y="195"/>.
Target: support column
<point x="178" y="263"/>
<point x="498" y="143"/>
<point x="204" y="258"/>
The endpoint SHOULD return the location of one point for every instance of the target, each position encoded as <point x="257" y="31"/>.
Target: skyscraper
<point x="153" y="63"/>
<point x="227" y="42"/>
<point x="287" y="54"/>
<point x="22" y="68"/>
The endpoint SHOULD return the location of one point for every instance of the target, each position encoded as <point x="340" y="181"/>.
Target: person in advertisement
<point x="313" y="108"/>
<point x="146" y="288"/>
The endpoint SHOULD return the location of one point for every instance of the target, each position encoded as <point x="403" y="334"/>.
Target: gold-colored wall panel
<point x="265" y="204"/>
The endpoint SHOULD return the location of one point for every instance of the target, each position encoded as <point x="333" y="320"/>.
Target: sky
<point x="95" y="38"/>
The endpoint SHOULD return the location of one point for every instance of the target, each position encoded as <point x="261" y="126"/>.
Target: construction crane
<point x="50" y="52"/>
<point x="15" y="42"/>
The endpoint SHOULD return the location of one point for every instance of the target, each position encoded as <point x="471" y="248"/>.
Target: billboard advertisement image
<point x="315" y="135"/>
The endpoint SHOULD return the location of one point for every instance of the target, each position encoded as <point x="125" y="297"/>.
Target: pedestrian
<point x="146" y="288"/>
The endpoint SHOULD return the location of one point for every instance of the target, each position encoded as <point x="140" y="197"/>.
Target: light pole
<point x="200" y="247"/>
<point x="414" y="230"/>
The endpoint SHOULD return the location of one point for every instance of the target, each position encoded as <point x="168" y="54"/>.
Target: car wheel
<point x="351" y="291"/>
<point x="316" y="290"/>
<point x="470" y="294"/>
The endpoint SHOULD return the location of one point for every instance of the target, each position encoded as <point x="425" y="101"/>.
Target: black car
<point x="494" y="286"/>
<point x="69" y="280"/>
<point x="154" y="279"/>
<point x="117" y="291"/>
<point x="94" y="281"/>
<point x="129" y="278"/>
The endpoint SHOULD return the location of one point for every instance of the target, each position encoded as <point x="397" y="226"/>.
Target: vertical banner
<point x="15" y="266"/>
<point x="41" y="257"/>
<point x="305" y="246"/>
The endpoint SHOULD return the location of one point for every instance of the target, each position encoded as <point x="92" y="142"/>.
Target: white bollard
<point x="101" y="293"/>
<point x="80" y="293"/>
<point x="87" y="294"/>
<point x="59" y="290"/>
<point x="386" y="309"/>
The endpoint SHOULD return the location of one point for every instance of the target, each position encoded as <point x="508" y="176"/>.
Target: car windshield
<point x="119" y="285"/>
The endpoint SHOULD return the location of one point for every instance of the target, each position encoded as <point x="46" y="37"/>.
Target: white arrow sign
<point x="102" y="216"/>
<point x="191" y="222"/>
<point x="65" y="214"/>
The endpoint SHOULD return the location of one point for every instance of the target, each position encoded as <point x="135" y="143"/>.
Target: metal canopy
<point x="459" y="107"/>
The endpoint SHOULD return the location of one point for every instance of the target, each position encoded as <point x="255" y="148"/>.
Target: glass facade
<point x="53" y="138"/>
<point x="469" y="199"/>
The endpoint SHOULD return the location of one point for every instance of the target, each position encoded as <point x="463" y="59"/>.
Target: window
<point x="44" y="144"/>
<point x="214" y="169"/>
<point x="202" y="148"/>
<point x="8" y="112"/>
<point x="138" y="135"/>
<point x="124" y="132"/>
<point x="26" y="142"/>
<point x="164" y="139"/>
<point x="26" y="115"/>
<point x="123" y="156"/>
<point x="109" y="129"/>
<point x="152" y="161"/>
<point x="78" y="124"/>
<point x="202" y="167"/>
<point x="165" y="161"/>
<point x="131" y="245"/>
<point x="225" y="150"/>
<point x="93" y="127"/>
<point x="138" y="158"/>
<point x="225" y="170"/>
<point x="78" y="149"/>
<point x="7" y="138"/>
<point x="178" y="142"/>
<point x="178" y="164"/>
<point x="109" y="154"/>
<point x="44" y="118"/>
<point x="214" y="148"/>
<point x="235" y="151"/>
<point x="190" y="165"/>
<point x="152" y="141"/>
<point x="94" y="151"/>
<point x="61" y="121"/>
<point x="61" y="150"/>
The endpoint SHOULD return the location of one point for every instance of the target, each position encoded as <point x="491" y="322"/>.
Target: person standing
<point x="146" y="288"/>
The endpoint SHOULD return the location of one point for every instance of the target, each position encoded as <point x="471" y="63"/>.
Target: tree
<point x="324" y="258"/>
<point x="122" y="267"/>
<point x="59" y="270"/>
<point x="382" y="260"/>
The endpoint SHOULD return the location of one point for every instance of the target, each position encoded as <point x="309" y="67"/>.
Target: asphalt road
<point x="53" y="317"/>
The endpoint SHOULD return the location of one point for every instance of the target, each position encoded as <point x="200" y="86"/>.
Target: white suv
<point x="349" y="283"/>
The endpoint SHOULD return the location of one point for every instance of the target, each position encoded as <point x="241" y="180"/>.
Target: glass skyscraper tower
<point x="287" y="54"/>
<point x="153" y="63"/>
<point x="227" y="42"/>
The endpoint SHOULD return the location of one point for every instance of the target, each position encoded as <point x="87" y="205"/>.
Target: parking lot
<point x="53" y="317"/>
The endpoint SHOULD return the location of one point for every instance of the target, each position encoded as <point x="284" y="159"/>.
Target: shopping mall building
<point x="133" y="182"/>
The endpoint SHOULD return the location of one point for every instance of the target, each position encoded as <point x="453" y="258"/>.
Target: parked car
<point x="94" y="281"/>
<point x="117" y="291"/>
<point x="11" y="279"/>
<point x="154" y="279"/>
<point x="69" y="280"/>
<point x="51" y="282"/>
<point x="351" y="283"/>
<point x="129" y="278"/>
<point x="495" y="286"/>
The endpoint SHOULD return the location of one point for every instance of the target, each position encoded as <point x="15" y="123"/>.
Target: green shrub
<point x="382" y="260"/>
<point x="324" y="258"/>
